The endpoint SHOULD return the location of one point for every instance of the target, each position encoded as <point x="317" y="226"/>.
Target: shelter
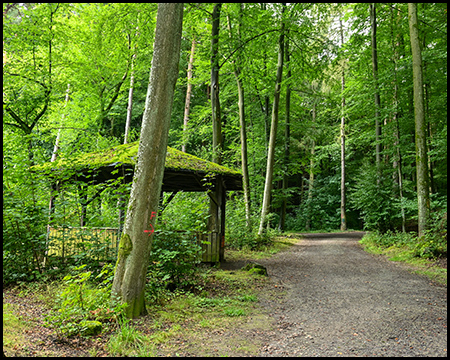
<point x="183" y="172"/>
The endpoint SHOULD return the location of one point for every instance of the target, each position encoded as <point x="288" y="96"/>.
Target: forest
<point x="335" y="115"/>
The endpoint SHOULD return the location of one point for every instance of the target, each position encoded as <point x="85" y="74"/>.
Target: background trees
<point x="93" y="47"/>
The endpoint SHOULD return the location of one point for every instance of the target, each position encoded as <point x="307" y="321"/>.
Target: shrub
<point x="23" y="239"/>
<point x="173" y="260"/>
<point x="83" y="301"/>
<point x="375" y="197"/>
<point x="237" y="234"/>
<point x="322" y="209"/>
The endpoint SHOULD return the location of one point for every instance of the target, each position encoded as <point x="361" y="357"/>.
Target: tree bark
<point x="215" y="104"/>
<point x="287" y="140"/>
<point x="423" y="196"/>
<point x="273" y="134"/>
<point x="51" y="204"/>
<point x="311" y="173"/>
<point x="136" y="240"/>
<point x="397" y="163"/>
<point x="216" y="210"/>
<point x="243" y="130"/>
<point x="130" y="102"/>
<point x="343" y="215"/>
<point x="188" y="96"/>
<point x="373" y="21"/>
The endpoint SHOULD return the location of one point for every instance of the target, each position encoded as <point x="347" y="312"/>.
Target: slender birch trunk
<point x="130" y="102"/>
<point x="187" y="103"/>
<point x="273" y="133"/>
<point x="51" y="204"/>
<point x="243" y="130"/>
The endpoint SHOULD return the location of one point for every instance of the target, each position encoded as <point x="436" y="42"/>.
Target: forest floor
<point x="324" y="296"/>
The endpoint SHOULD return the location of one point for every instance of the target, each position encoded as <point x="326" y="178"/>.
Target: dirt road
<point x="342" y="301"/>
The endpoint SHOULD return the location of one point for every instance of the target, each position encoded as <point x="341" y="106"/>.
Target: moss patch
<point x="127" y="155"/>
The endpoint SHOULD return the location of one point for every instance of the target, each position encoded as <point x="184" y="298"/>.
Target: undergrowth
<point x="421" y="252"/>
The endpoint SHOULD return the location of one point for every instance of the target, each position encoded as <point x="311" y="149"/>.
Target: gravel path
<point x="342" y="301"/>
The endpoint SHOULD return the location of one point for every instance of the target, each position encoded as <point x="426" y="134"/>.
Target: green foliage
<point x="24" y="219"/>
<point x="173" y="261"/>
<point x="374" y="195"/>
<point x="431" y="245"/>
<point x="322" y="209"/>
<point x="128" y="341"/>
<point x="237" y="234"/>
<point x="82" y="299"/>
<point x="96" y="47"/>
<point x="186" y="212"/>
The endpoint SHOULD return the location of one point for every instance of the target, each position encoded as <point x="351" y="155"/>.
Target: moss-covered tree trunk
<point x="423" y="196"/>
<point x="136" y="240"/>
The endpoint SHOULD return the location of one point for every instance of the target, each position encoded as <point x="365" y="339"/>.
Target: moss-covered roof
<point x="177" y="163"/>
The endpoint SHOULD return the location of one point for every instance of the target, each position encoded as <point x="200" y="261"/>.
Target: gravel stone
<point x="342" y="301"/>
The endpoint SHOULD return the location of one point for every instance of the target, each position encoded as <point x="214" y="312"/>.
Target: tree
<point x="242" y="125"/>
<point x="273" y="132"/>
<point x="215" y="102"/>
<point x="343" y="217"/>
<point x="28" y="66"/>
<point x="373" y="21"/>
<point x="188" y="95"/>
<point x="423" y="196"/>
<point x="287" y="140"/>
<point x="136" y="240"/>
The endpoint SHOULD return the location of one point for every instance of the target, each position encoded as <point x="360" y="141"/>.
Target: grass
<point x="280" y="243"/>
<point x="130" y="342"/>
<point x="13" y="327"/>
<point x="181" y="321"/>
<point x="228" y="300"/>
<point x="400" y="248"/>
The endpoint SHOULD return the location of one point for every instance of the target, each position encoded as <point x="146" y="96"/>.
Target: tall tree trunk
<point x="130" y="102"/>
<point x="423" y="196"/>
<point x="217" y="198"/>
<point x="373" y="21"/>
<point x="397" y="163"/>
<point x="51" y="204"/>
<point x="343" y="216"/>
<point x="136" y="240"/>
<point x="58" y="136"/>
<point x="287" y="140"/>
<point x="273" y="133"/>
<point x="120" y="201"/>
<point x="215" y="103"/>
<point x="243" y="128"/>
<point x="187" y="103"/>
<point x="311" y="173"/>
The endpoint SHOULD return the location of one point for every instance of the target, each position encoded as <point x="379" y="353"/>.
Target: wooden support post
<point x="83" y="201"/>
<point x="216" y="221"/>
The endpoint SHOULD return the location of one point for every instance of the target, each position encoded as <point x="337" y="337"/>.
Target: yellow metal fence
<point x="96" y="243"/>
<point x="102" y="243"/>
